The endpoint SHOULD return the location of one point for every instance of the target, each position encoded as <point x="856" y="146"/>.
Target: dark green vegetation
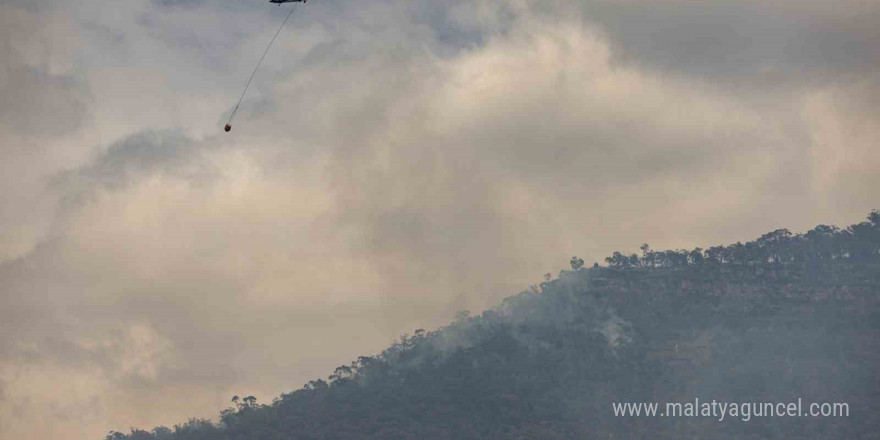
<point x="780" y="318"/>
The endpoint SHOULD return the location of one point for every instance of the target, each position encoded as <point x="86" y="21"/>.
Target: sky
<point x="394" y="162"/>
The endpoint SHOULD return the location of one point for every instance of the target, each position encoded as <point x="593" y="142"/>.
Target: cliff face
<point x="779" y="323"/>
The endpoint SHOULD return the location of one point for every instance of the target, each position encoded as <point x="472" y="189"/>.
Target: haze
<point x="394" y="162"/>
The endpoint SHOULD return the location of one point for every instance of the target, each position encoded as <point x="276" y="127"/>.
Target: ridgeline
<point x="784" y="317"/>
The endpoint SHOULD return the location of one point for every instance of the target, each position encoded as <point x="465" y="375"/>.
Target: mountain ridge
<point x="782" y="316"/>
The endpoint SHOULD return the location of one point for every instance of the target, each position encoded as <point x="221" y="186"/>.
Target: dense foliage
<point x="823" y="243"/>
<point x="783" y="317"/>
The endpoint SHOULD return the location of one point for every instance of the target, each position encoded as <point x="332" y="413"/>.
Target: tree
<point x="342" y="372"/>
<point x="647" y="255"/>
<point x="617" y="260"/>
<point x="715" y="254"/>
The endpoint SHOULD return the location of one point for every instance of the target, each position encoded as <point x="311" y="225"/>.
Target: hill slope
<point x="784" y="317"/>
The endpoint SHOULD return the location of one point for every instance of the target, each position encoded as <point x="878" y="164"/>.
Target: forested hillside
<point x="783" y="317"/>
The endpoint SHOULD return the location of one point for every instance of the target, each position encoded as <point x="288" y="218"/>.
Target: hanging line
<point x="235" y="110"/>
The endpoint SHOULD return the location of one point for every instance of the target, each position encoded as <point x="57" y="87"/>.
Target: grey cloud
<point x="137" y="156"/>
<point x="36" y="103"/>
<point x="768" y="43"/>
<point x="451" y="32"/>
<point x="181" y="3"/>
<point x="446" y="27"/>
